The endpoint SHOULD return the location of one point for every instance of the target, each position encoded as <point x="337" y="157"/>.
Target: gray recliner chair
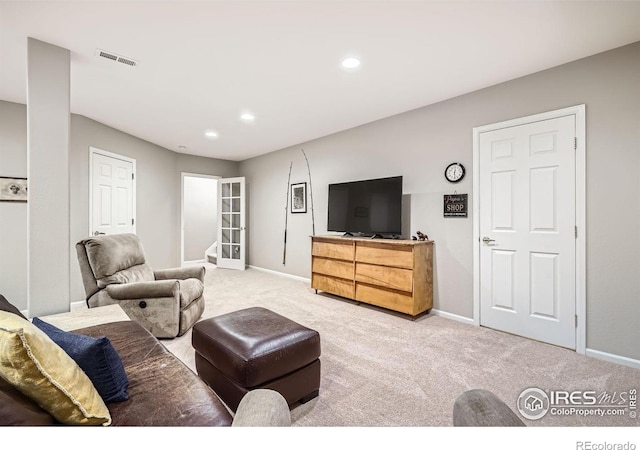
<point x="166" y="302"/>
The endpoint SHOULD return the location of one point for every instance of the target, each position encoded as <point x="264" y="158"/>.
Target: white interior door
<point x="231" y="223"/>
<point x="528" y="230"/>
<point x="112" y="186"/>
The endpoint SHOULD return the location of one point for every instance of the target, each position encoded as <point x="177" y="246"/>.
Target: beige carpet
<point x="379" y="369"/>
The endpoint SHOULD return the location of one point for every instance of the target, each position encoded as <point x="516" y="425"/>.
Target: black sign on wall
<point x="455" y="205"/>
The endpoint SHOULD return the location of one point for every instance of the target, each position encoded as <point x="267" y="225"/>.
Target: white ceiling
<point x="204" y="63"/>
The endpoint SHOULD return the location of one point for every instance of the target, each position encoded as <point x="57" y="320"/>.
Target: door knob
<point x="97" y="233"/>
<point x="487" y="240"/>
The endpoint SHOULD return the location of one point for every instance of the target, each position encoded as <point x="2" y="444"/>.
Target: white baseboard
<point x="77" y="305"/>
<point x="446" y="315"/>
<point x="72" y="306"/>
<point x="630" y="362"/>
<point x="282" y="274"/>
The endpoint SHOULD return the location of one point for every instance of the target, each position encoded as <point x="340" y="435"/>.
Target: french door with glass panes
<point x="231" y="223"/>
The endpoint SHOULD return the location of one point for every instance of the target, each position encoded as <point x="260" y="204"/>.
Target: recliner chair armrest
<point x="180" y="273"/>
<point x="144" y="289"/>
<point x="262" y="408"/>
<point x="481" y="408"/>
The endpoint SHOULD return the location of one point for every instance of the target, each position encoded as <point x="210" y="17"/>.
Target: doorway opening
<point x="199" y="218"/>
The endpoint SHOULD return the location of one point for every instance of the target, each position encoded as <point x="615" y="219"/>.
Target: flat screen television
<point x="367" y="207"/>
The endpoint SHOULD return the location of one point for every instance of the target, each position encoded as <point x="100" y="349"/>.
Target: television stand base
<point x="376" y="235"/>
<point x="394" y="274"/>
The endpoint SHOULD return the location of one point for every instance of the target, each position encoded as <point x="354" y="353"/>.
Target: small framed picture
<point x="299" y="198"/>
<point x="13" y="189"/>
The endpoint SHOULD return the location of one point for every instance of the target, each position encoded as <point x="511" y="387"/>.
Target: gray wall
<point x="13" y="216"/>
<point x="419" y="144"/>
<point x="199" y="216"/>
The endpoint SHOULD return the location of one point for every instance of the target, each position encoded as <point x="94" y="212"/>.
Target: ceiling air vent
<point x="117" y="58"/>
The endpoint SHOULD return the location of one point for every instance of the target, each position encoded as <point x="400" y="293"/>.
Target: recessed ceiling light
<point x="248" y="117"/>
<point x="211" y="134"/>
<point x="350" y="63"/>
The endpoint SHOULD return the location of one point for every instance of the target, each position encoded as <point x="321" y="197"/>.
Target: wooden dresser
<point x="393" y="274"/>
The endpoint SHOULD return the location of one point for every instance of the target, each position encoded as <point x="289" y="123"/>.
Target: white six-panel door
<point x="231" y="223"/>
<point x="527" y="230"/>
<point x="112" y="194"/>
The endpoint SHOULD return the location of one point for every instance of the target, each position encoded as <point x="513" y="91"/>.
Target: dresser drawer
<point x="388" y="277"/>
<point x="334" y="267"/>
<point x="392" y="274"/>
<point x="337" y="286"/>
<point x="335" y="250"/>
<point x="395" y="300"/>
<point x="394" y="256"/>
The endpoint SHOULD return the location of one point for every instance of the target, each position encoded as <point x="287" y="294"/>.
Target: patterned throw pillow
<point x="35" y="365"/>
<point x="96" y="356"/>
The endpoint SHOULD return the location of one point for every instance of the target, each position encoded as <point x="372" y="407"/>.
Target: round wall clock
<point x="454" y="172"/>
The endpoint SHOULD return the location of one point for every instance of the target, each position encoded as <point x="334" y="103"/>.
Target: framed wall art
<point x="299" y="198"/>
<point x="13" y="189"/>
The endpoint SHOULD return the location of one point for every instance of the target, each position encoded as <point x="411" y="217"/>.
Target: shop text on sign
<point x="455" y="205"/>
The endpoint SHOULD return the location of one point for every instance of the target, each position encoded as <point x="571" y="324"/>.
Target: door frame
<point x="97" y="151"/>
<point x="579" y="111"/>
<point x="183" y="175"/>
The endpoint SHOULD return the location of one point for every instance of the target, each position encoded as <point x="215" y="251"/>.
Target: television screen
<point x="368" y="207"/>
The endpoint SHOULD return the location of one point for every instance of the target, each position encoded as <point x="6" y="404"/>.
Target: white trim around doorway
<point x="579" y="111"/>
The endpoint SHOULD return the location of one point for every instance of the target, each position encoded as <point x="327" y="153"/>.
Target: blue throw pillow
<point x="96" y="357"/>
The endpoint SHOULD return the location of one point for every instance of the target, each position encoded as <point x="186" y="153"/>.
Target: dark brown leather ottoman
<point x="256" y="348"/>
